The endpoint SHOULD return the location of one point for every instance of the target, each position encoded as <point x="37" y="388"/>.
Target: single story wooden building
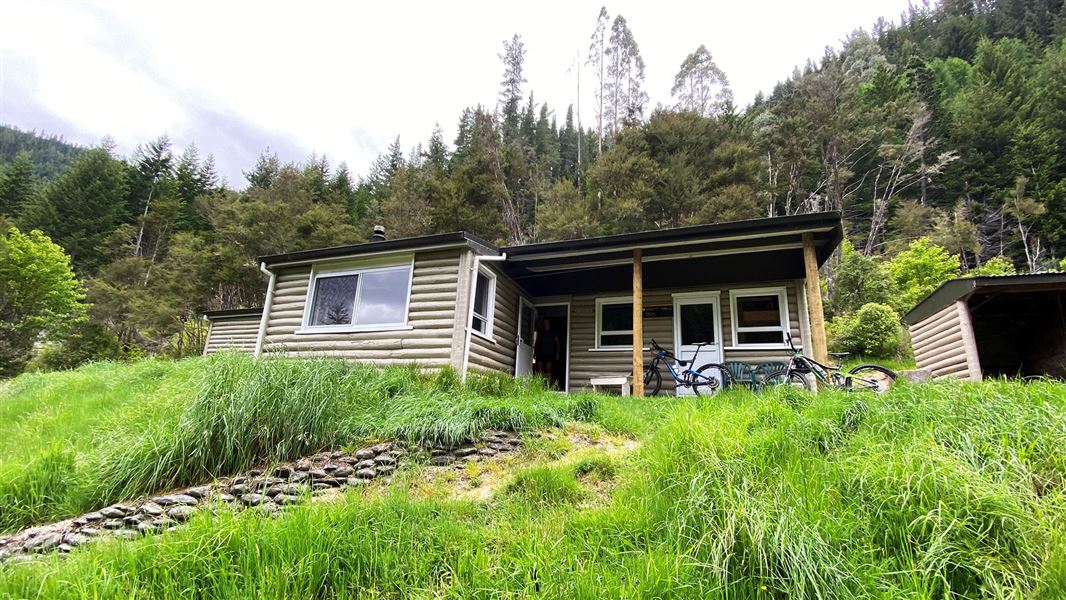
<point x="455" y="299"/>
<point x="1008" y="325"/>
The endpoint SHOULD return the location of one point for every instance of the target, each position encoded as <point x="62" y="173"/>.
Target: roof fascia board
<point x="364" y="253"/>
<point x="662" y="257"/>
<point x="634" y="246"/>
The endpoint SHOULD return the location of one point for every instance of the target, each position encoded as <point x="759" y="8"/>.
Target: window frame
<point x="782" y="306"/>
<point x="490" y="300"/>
<point x="359" y="268"/>
<point x="600" y="332"/>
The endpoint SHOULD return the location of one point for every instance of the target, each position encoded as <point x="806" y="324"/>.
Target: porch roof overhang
<point x="962" y="288"/>
<point x="733" y="252"/>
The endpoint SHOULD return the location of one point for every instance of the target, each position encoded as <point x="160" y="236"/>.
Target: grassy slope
<point x="927" y="491"/>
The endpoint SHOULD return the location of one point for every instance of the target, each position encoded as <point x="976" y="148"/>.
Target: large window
<point x="484" y="303"/>
<point x="358" y="299"/>
<point x="760" y="317"/>
<point x="614" y="323"/>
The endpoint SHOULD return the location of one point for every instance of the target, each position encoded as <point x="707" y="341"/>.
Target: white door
<point x="697" y="320"/>
<point x="527" y="319"/>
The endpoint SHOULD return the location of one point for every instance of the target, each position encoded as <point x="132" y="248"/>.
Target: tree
<point x="265" y="171"/>
<point x="17" y="185"/>
<point x="39" y="295"/>
<point x="81" y="210"/>
<point x="1026" y="211"/>
<point x="513" y="57"/>
<point x="919" y="270"/>
<point x="700" y="86"/>
<point x="598" y="61"/>
<point x="857" y="280"/>
<point x="626" y="97"/>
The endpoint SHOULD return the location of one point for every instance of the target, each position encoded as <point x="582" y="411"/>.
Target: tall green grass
<point x="109" y="432"/>
<point x="929" y="492"/>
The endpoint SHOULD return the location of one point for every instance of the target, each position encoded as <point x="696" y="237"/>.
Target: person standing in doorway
<point x="547" y="349"/>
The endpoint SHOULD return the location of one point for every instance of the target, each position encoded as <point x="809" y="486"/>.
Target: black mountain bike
<point x="874" y="378"/>
<point x="704" y="380"/>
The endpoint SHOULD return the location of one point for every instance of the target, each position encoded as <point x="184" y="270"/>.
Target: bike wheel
<point x="789" y="378"/>
<point x="653" y="381"/>
<point x="874" y="378"/>
<point x="709" y="378"/>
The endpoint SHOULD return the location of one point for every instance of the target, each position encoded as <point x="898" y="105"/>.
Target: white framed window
<point x="484" y="303"/>
<point x="360" y="297"/>
<point x="614" y="323"/>
<point x="760" y="317"/>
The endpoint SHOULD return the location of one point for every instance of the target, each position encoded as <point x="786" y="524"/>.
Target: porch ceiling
<point x="747" y="251"/>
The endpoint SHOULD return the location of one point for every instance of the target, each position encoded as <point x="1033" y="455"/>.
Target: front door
<point x="527" y="319"/>
<point x="697" y="330"/>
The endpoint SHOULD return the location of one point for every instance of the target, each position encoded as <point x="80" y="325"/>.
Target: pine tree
<point x="265" y="172"/>
<point x="437" y="152"/>
<point x="17" y="185"/>
<point x="81" y="209"/>
<point x="513" y="57"/>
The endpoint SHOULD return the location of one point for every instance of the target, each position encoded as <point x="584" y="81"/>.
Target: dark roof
<point x="827" y="223"/>
<point x="410" y="243"/>
<point x="233" y="312"/>
<point x="764" y="226"/>
<point x="956" y="289"/>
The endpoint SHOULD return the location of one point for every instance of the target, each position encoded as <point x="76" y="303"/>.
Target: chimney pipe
<point x="379" y="234"/>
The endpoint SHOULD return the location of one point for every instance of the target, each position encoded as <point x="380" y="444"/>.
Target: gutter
<point x="266" y="308"/>
<point x="470" y="309"/>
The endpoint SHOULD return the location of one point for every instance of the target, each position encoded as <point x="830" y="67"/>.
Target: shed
<point x="1007" y="325"/>
<point x="235" y="329"/>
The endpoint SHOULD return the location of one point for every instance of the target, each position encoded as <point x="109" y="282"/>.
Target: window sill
<point x="355" y="329"/>
<point x="615" y="349"/>
<point x="485" y="336"/>
<point x="758" y="347"/>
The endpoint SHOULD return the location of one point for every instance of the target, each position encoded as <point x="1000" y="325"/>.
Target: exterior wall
<point x="944" y="344"/>
<point x="586" y="362"/>
<point x="432" y="315"/>
<point x="232" y="333"/>
<point x="498" y="354"/>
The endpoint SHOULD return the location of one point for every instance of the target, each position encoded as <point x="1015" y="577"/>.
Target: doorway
<point x="557" y="318"/>
<point x="697" y="330"/>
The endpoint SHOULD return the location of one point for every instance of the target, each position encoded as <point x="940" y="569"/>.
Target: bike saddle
<point x="838" y="354"/>
<point x="683" y="363"/>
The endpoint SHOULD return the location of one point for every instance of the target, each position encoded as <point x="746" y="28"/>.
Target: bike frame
<point x="662" y="356"/>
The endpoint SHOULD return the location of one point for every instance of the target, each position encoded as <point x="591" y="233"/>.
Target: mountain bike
<point x="869" y="377"/>
<point x="704" y="380"/>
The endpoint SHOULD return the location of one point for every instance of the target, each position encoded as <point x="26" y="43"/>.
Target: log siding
<point x="943" y="343"/>
<point x="232" y="333"/>
<point x="498" y="352"/>
<point x="587" y="362"/>
<point x="432" y="315"/>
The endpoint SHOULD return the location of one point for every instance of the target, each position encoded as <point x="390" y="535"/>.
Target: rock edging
<point x="266" y="489"/>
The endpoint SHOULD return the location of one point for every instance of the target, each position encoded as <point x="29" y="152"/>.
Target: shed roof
<point x="211" y="315"/>
<point x="958" y="289"/>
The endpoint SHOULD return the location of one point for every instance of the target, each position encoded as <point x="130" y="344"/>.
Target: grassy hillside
<point x="931" y="491"/>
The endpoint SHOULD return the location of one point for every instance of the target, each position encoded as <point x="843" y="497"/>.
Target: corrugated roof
<point x="963" y="287"/>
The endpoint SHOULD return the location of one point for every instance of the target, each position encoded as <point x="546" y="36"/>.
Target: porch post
<point x="819" y="349"/>
<point x="638" y="324"/>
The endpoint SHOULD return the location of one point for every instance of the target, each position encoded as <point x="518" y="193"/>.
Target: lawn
<point x="930" y="491"/>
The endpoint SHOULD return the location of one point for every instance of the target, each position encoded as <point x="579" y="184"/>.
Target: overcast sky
<point x="344" y="79"/>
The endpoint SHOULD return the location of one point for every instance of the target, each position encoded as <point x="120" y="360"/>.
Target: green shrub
<point x="87" y="341"/>
<point x="873" y="331"/>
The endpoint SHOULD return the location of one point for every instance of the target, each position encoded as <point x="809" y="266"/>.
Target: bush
<point x="87" y="342"/>
<point x="873" y="331"/>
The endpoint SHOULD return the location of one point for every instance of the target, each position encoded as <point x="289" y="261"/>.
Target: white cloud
<point x="344" y="79"/>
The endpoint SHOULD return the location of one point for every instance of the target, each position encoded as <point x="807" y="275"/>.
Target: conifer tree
<point x="17" y="185"/>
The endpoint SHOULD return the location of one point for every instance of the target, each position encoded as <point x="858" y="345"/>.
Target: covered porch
<point x="739" y="287"/>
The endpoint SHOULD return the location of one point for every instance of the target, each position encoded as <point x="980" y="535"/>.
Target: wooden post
<point x="638" y="324"/>
<point x="819" y="349"/>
